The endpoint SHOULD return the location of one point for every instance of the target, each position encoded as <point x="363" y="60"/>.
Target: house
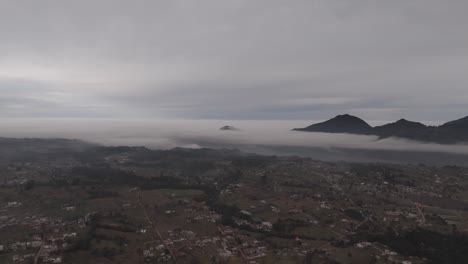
<point x="244" y="212"/>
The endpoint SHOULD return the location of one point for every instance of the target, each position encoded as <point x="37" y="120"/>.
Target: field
<point x="134" y="205"/>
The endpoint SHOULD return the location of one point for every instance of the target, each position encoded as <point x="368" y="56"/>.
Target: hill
<point x="340" y="124"/>
<point x="404" y="129"/>
<point x="231" y="128"/>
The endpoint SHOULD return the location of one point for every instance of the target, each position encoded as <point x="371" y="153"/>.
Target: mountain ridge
<point x="449" y="133"/>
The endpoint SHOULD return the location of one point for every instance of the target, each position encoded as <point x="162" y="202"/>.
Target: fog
<point x="261" y="137"/>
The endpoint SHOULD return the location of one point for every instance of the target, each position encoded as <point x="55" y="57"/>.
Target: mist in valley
<point x="272" y="137"/>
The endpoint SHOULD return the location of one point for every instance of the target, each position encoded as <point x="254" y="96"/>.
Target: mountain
<point x="454" y="131"/>
<point x="228" y="128"/>
<point x="404" y="129"/>
<point x="460" y="124"/>
<point x="449" y="133"/>
<point x="340" y="124"/>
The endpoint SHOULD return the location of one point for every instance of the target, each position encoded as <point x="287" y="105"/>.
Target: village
<point x="220" y="208"/>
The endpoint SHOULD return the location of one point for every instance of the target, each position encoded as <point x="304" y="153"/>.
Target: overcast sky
<point x="234" y="59"/>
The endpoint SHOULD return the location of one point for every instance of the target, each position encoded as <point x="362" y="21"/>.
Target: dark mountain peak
<point x="403" y="129"/>
<point x="403" y="123"/>
<point x="455" y="131"/>
<point x="459" y="122"/>
<point x="345" y="115"/>
<point x="349" y="118"/>
<point x="228" y="128"/>
<point x="340" y="124"/>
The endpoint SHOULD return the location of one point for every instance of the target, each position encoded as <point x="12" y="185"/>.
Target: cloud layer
<point x="262" y="137"/>
<point x="265" y="59"/>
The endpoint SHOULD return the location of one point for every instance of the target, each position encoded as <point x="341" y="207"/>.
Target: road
<point x="155" y="228"/>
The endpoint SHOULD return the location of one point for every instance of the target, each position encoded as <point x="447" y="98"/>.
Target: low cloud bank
<point x="264" y="137"/>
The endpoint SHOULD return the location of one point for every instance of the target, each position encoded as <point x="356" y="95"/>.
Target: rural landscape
<point x="67" y="201"/>
<point x="233" y="132"/>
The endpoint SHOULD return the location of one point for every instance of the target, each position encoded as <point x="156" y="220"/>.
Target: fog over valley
<point x="271" y="137"/>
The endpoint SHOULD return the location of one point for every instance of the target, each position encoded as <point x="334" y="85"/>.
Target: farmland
<point x="98" y="204"/>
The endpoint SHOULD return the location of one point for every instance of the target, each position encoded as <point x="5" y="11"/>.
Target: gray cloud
<point x="240" y="59"/>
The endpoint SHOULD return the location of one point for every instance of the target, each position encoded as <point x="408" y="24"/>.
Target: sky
<point x="236" y="59"/>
